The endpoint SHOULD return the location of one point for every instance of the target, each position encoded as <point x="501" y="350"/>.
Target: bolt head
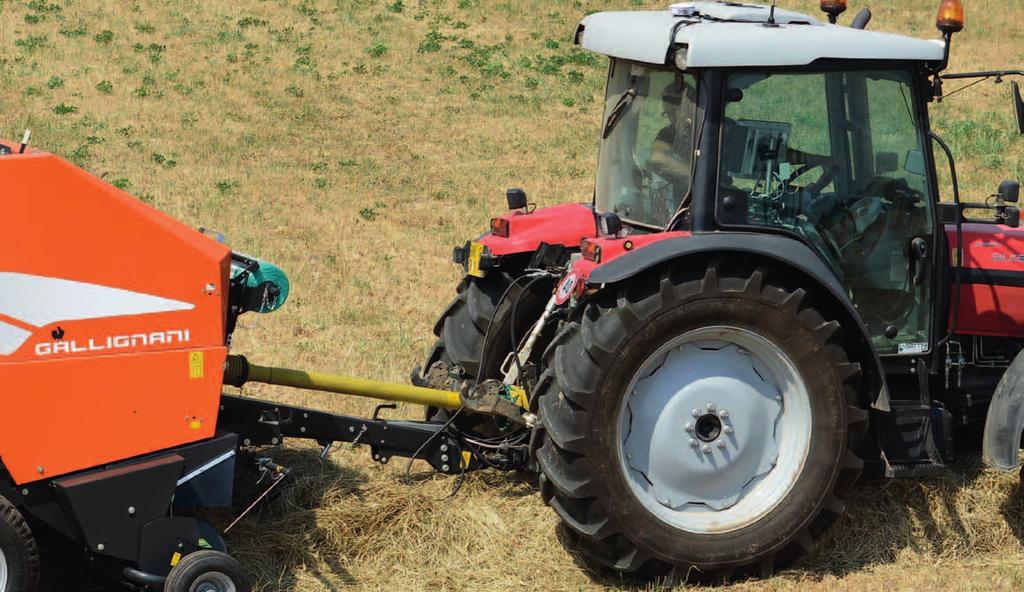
<point x="706" y="449"/>
<point x="689" y="427"/>
<point x="246" y="442"/>
<point x="721" y="444"/>
<point x="24" y="491"/>
<point x="100" y="547"/>
<point x="131" y="510"/>
<point x="723" y="413"/>
<point x="445" y="468"/>
<point x="728" y="429"/>
<point x="693" y="443"/>
<point x="778" y="398"/>
<point x="711" y="407"/>
<point x="40" y="470"/>
<point x="444" y="458"/>
<point x="696" y="413"/>
<point x="302" y="429"/>
<point x="444" y="448"/>
<point x="273" y="441"/>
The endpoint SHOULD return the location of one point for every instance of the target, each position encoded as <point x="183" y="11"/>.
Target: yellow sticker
<point x="476" y="250"/>
<point x="467" y="456"/>
<point x="175" y="559"/>
<point x="195" y="364"/>
<point x="518" y="394"/>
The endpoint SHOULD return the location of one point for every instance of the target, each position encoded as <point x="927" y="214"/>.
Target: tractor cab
<point x="757" y="119"/>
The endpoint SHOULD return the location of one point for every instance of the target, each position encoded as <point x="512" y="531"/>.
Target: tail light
<point x="591" y="251"/>
<point x="500" y="227"/>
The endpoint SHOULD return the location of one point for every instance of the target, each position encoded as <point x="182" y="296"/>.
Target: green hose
<point x="266" y="272"/>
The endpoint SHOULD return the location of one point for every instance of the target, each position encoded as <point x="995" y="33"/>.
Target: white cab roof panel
<point x="724" y="34"/>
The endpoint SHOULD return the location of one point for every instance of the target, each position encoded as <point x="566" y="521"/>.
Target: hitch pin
<point x="327" y="450"/>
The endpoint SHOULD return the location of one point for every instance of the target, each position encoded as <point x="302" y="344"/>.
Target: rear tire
<point x="19" y="554"/>
<point x="207" y="571"/>
<point x="641" y="495"/>
<point x="462" y="327"/>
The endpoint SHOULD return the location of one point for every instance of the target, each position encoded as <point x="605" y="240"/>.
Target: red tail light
<point x="499" y="227"/>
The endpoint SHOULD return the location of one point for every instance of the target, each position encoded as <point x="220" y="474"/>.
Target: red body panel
<point x="112" y="322"/>
<point x="613" y="248"/>
<point x="993" y="256"/>
<point x="566" y="224"/>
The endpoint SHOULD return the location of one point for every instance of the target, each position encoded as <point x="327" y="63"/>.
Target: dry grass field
<point x="354" y="142"/>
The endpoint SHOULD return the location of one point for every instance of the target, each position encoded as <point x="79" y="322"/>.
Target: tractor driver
<point x="672" y="151"/>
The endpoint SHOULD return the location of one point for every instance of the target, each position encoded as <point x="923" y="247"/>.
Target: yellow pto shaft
<point x="239" y="371"/>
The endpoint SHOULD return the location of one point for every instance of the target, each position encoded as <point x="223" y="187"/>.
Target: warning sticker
<point x="196" y="363"/>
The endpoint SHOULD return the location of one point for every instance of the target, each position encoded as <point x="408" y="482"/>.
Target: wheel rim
<point x="3" y="571"/>
<point x="213" y="581"/>
<point x="714" y="430"/>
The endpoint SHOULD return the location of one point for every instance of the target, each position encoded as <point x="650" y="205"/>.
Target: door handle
<point x="918" y="256"/>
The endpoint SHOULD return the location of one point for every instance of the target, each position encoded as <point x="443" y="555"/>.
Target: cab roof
<point x="724" y="34"/>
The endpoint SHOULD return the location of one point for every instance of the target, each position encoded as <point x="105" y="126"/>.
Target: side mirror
<point x="1009" y="191"/>
<point x="914" y="163"/>
<point x="1012" y="217"/>
<point x="609" y="224"/>
<point x="1018" y="107"/>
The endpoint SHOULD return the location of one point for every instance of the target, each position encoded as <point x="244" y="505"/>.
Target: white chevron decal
<point x="40" y="301"/>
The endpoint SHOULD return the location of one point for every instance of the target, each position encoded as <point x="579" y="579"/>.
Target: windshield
<point x="646" y="154"/>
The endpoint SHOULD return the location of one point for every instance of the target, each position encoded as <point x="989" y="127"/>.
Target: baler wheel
<point x="19" y="554"/>
<point x="207" y="571"/>
<point x="698" y="423"/>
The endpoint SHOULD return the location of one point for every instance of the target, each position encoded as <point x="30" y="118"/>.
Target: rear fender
<point x="785" y="252"/>
<point x="1005" y="421"/>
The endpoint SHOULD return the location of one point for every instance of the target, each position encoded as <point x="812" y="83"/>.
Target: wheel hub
<point x="714" y="429"/>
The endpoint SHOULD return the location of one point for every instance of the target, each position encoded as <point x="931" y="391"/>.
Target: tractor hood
<point x="729" y="35"/>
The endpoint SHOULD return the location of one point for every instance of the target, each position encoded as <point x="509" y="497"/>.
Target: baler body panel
<point x="992" y="280"/>
<point x="112" y="323"/>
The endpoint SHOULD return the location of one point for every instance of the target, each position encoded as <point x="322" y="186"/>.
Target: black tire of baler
<point x="20" y="549"/>
<point x="461" y="329"/>
<point x="581" y="477"/>
<point x="194" y="565"/>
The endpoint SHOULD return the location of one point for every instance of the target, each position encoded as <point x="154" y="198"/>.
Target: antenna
<point x="771" y="16"/>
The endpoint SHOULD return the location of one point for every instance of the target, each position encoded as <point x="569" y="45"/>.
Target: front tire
<point x="207" y="571"/>
<point x="699" y="424"/>
<point x="19" y="554"/>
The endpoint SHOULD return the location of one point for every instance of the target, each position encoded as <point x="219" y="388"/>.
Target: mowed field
<point x="354" y="142"/>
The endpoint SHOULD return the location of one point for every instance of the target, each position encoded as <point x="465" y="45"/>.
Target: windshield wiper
<point x="618" y="111"/>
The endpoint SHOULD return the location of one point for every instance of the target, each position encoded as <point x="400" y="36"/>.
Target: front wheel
<point x="19" y="554"/>
<point x="207" y="571"/>
<point x="699" y="424"/>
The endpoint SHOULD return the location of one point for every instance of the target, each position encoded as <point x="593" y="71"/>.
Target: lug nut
<point x="696" y="412"/>
<point x="689" y="427"/>
<point x="724" y="414"/>
<point x="706" y="449"/>
<point x="693" y="443"/>
<point x="728" y="429"/>
<point x="711" y="407"/>
<point x="721" y="444"/>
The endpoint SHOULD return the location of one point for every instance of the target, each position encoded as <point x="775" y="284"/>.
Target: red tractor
<point x="767" y="291"/>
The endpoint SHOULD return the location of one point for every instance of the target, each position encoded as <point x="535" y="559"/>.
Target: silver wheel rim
<point x="714" y="430"/>
<point x="213" y="581"/>
<point x="3" y="571"/>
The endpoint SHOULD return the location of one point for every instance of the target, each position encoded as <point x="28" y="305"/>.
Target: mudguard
<point x="785" y="251"/>
<point x="1005" y="420"/>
